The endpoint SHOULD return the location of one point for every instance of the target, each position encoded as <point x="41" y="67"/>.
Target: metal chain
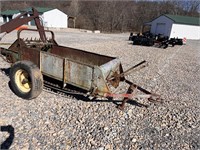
<point x="56" y="89"/>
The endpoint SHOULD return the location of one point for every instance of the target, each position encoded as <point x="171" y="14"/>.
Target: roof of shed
<point x="39" y="9"/>
<point x="184" y="19"/>
<point x="12" y="12"/>
<point x="9" y="12"/>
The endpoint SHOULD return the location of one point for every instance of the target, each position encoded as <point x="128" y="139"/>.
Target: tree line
<point x="112" y="15"/>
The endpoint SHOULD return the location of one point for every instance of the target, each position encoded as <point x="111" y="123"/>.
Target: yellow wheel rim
<point x="23" y="81"/>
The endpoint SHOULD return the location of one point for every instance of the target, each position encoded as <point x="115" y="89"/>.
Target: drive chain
<point x="56" y="89"/>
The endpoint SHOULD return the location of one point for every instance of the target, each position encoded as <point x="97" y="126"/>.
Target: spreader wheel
<point x="26" y="79"/>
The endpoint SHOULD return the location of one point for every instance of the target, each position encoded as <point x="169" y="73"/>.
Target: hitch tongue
<point x="137" y="67"/>
<point x="130" y="70"/>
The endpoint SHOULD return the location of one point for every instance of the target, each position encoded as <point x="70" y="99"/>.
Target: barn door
<point x="160" y="28"/>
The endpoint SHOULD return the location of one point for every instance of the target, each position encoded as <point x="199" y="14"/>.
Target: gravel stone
<point x="52" y="121"/>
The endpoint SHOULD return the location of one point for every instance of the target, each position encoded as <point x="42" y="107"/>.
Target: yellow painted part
<point x="20" y="76"/>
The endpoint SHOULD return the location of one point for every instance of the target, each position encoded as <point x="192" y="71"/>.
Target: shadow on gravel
<point x="116" y="102"/>
<point x="8" y="142"/>
<point x="78" y="96"/>
<point x="109" y="100"/>
<point x="82" y="96"/>
<point x="5" y="70"/>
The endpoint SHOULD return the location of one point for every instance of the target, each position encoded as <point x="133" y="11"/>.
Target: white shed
<point x="176" y="26"/>
<point x="51" y="17"/>
<point x="55" y="18"/>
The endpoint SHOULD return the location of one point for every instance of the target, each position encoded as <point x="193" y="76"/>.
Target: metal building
<point x="176" y="26"/>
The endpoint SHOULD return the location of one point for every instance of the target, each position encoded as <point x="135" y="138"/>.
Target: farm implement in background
<point x="33" y="61"/>
<point x="149" y="39"/>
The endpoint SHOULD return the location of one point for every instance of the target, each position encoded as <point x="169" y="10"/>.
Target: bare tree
<point x="112" y="15"/>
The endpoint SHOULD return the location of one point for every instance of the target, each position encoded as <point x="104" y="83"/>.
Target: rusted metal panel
<point x="110" y="71"/>
<point x="78" y="74"/>
<point x="81" y="56"/>
<point x="30" y="54"/>
<point x="52" y="65"/>
<point x="109" y="68"/>
<point x="99" y="84"/>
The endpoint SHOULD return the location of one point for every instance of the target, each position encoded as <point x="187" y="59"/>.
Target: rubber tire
<point x="35" y="76"/>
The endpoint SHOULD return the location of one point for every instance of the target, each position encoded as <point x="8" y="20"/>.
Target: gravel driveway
<point x="55" y="122"/>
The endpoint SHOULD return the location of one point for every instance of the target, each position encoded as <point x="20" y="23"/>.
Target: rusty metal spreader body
<point x="85" y="70"/>
<point x="97" y="74"/>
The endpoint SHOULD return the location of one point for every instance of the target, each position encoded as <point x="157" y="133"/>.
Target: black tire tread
<point x="35" y="75"/>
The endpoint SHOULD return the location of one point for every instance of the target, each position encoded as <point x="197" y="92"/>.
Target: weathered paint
<point x="109" y="68"/>
<point x="81" y="56"/>
<point x="30" y="54"/>
<point x="100" y="86"/>
<point x="78" y="74"/>
<point x="52" y="65"/>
